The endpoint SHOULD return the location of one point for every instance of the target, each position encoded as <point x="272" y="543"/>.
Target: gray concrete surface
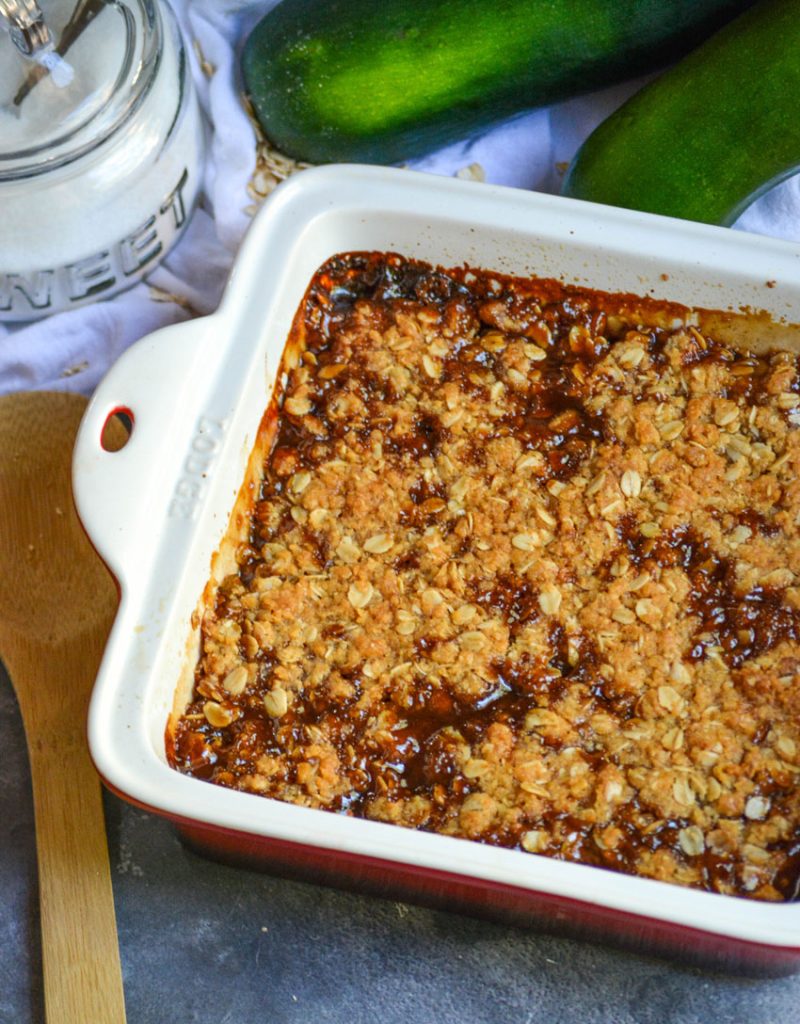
<point x="202" y="942"/>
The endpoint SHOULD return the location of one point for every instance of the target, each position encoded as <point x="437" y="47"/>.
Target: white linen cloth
<point x="71" y="351"/>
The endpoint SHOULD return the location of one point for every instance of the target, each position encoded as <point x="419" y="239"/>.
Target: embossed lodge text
<point x="203" y="451"/>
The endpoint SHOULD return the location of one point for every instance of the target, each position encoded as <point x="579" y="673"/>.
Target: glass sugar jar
<point x="101" y="149"/>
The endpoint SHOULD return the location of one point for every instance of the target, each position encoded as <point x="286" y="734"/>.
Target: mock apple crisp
<point x="522" y="570"/>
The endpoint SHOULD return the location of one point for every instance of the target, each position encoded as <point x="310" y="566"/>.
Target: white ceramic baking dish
<point x="158" y="509"/>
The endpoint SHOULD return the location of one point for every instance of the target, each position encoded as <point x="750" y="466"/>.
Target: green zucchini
<point x="710" y="135"/>
<point x="379" y="81"/>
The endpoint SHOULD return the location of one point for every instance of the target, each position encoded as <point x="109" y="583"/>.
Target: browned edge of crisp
<point x="223" y="559"/>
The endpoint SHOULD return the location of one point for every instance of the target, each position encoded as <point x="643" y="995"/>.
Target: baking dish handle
<point x="155" y="384"/>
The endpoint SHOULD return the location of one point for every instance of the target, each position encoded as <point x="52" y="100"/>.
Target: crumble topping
<point x="525" y="571"/>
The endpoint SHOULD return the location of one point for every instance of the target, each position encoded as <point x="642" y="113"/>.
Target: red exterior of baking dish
<point x="441" y="890"/>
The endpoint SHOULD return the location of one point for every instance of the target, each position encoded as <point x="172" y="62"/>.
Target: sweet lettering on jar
<point x="76" y="283"/>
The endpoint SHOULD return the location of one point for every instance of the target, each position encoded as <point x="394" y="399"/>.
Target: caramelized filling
<point x="523" y="569"/>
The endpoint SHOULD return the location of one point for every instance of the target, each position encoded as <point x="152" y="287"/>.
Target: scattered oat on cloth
<point x="72" y="351"/>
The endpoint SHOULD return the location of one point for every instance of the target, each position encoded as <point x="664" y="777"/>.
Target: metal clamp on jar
<point x="101" y="147"/>
<point x="26" y="24"/>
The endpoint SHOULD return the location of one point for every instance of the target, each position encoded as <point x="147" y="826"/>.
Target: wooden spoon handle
<point x="80" y="953"/>
<point x="57" y="604"/>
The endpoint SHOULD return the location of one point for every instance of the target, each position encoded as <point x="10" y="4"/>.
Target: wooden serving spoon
<point x="57" y="602"/>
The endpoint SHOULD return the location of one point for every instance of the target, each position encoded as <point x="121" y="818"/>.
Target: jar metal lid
<point x="70" y="76"/>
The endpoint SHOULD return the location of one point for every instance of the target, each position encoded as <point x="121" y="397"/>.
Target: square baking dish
<point x="158" y="512"/>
